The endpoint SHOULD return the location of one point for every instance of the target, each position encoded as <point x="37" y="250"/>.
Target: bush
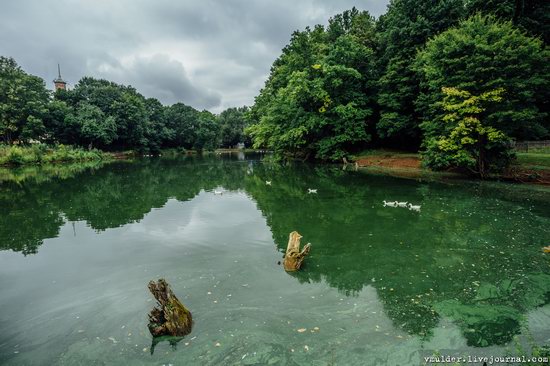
<point x="462" y="138"/>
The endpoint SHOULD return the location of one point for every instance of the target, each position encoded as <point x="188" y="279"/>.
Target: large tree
<point x="23" y="102"/>
<point x="484" y="54"/>
<point x="131" y="118"/>
<point x="318" y="99"/>
<point x="157" y="132"/>
<point x="464" y="138"/>
<point x="94" y="127"/>
<point x="405" y="28"/>
<point x="232" y="122"/>
<point x="207" y="132"/>
<point x="182" y="120"/>
<point x="60" y="128"/>
<point x="122" y="103"/>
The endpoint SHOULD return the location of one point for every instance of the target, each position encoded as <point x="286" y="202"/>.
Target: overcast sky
<point x="206" y="53"/>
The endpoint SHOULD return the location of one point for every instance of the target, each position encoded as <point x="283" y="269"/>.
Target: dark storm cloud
<point x="208" y="54"/>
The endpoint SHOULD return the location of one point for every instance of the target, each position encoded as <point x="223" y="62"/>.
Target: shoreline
<point x="409" y="165"/>
<point x="528" y="168"/>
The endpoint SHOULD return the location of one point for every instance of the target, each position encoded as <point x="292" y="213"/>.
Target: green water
<point x="382" y="285"/>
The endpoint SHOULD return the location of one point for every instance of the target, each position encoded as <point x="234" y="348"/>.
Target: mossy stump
<point x="169" y="317"/>
<point x="294" y="257"/>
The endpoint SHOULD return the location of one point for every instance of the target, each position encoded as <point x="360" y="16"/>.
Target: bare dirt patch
<point x="390" y="162"/>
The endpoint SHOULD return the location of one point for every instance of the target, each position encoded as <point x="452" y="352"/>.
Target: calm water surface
<point x="465" y="276"/>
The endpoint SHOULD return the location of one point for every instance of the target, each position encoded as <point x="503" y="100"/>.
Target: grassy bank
<point x="528" y="167"/>
<point x="12" y="155"/>
<point x="534" y="161"/>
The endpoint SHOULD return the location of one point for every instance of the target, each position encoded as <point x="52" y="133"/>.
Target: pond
<point x="382" y="285"/>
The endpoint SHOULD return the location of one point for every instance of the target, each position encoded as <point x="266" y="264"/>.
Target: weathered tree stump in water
<point x="293" y="257"/>
<point x="170" y="317"/>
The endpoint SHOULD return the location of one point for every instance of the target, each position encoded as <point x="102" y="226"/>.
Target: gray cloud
<point x="210" y="54"/>
<point x="160" y="77"/>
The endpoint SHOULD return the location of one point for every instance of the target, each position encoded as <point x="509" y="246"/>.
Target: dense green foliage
<point x="406" y="26"/>
<point x="23" y="100"/>
<point x="233" y="122"/>
<point x="106" y="115"/>
<point x="319" y="97"/>
<point x="465" y="139"/>
<point x="480" y="55"/>
<point x="531" y="15"/>
<point x="362" y="83"/>
<point x="354" y="84"/>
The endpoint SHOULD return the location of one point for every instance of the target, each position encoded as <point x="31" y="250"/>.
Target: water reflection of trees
<point x="118" y="194"/>
<point x="465" y="240"/>
<point x="472" y="250"/>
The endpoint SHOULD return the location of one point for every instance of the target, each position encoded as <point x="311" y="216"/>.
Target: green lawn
<point x="534" y="160"/>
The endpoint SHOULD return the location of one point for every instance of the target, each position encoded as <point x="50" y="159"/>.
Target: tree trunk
<point x="170" y="317"/>
<point x="482" y="158"/>
<point x="293" y="257"/>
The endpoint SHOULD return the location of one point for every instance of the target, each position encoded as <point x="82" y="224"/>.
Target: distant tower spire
<point x="59" y="82"/>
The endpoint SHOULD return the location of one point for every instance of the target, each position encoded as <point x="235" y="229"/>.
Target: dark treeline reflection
<point x="472" y="254"/>
<point x="109" y="197"/>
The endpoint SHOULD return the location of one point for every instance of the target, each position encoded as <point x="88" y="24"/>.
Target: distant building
<point x="59" y="82"/>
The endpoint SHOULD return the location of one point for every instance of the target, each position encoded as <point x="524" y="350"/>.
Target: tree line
<point x="102" y="114"/>
<point x="458" y="80"/>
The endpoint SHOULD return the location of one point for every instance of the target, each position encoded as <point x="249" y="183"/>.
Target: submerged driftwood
<point x="294" y="257"/>
<point x="169" y="317"/>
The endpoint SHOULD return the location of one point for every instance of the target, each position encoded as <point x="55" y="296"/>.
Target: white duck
<point x="310" y="191"/>
<point x="390" y="204"/>
<point x="268" y="182"/>
<point x="402" y="204"/>
<point x="218" y="192"/>
<point x="414" y="207"/>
